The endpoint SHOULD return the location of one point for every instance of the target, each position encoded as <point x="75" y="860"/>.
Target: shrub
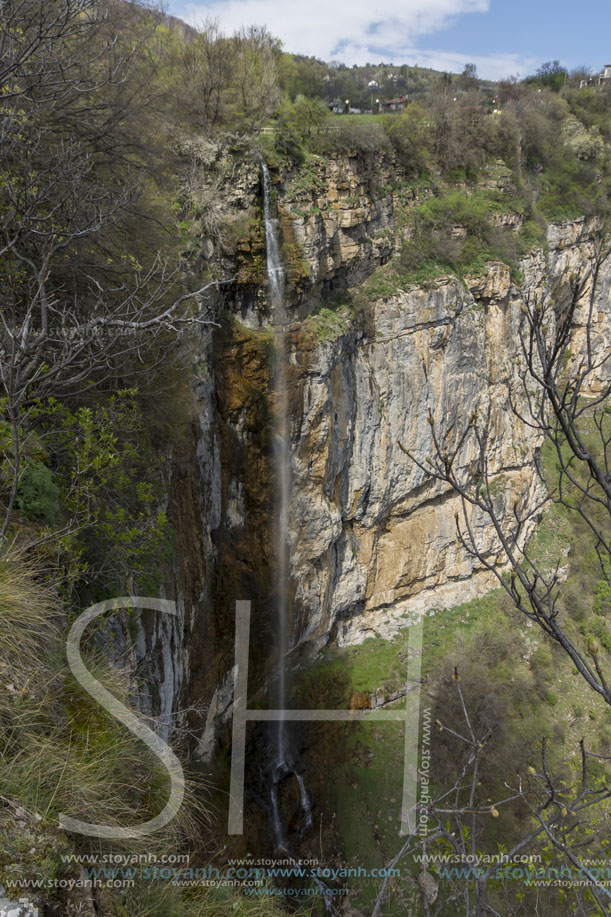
<point x="109" y="477"/>
<point x="410" y="136"/>
<point x="299" y="120"/>
<point x="571" y="187"/>
<point x="38" y="495"/>
<point x="353" y="136"/>
<point x="456" y="233"/>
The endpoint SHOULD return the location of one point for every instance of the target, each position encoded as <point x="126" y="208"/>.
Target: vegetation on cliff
<point x="110" y="114"/>
<point x="94" y="308"/>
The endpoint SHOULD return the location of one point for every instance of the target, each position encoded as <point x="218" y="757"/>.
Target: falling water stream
<point x="284" y="763"/>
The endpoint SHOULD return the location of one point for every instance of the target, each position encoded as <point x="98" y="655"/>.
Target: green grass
<point x="327" y="324"/>
<point x="354" y="119"/>
<point x="432" y="251"/>
<point x="570" y="188"/>
<point x="168" y="901"/>
<point x="60" y="753"/>
<point x="435" y="247"/>
<point x="489" y="644"/>
<point x="63" y="756"/>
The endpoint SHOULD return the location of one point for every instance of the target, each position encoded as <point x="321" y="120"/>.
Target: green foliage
<point x="354" y="136"/>
<point x="302" y="77"/>
<point x="335" y="82"/>
<point x="550" y="75"/>
<point x="455" y="233"/>
<point x="297" y="121"/>
<point x="571" y="188"/>
<point x="307" y="180"/>
<point x="211" y="81"/>
<point x="411" y="138"/>
<point x="109" y="478"/>
<point x="326" y="324"/>
<point x="38" y="494"/>
<point x="59" y="751"/>
<point x="602" y="598"/>
<point x="533" y="233"/>
<point x="549" y="138"/>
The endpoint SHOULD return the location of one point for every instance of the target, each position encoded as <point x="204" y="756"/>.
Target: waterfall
<point x="283" y="766"/>
<point x="275" y="269"/>
<point x="282" y="458"/>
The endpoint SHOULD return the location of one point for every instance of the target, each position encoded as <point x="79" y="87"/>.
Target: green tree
<point x="411" y="137"/>
<point x="550" y="74"/>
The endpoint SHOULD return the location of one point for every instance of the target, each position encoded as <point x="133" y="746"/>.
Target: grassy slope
<point x="60" y="754"/>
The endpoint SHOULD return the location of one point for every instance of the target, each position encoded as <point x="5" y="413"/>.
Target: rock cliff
<point x="373" y="539"/>
<point x="374" y="544"/>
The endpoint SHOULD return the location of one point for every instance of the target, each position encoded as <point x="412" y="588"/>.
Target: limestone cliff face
<point x="374" y="540"/>
<point x="340" y="212"/>
<point x="336" y="217"/>
<point x="337" y="222"/>
<point x="375" y="546"/>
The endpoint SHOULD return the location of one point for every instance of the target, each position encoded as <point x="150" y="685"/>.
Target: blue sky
<point x="500" y="36"/>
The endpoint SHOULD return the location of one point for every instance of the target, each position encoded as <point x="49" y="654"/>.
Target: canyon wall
<point x="374" y="543"/>
<point x="373" y="537"/>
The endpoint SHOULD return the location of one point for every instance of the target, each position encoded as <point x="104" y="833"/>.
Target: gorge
<point x="350" y="371"/>
<point x="371" y="542"/>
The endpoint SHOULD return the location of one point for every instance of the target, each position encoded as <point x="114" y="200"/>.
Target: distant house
<point x="397" y="104"/>
<point x="337" y="107"/>
<point x="598" y="79"/>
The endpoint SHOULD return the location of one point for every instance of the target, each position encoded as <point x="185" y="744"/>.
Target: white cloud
<point x="320" y="27"/>
<point x="357" y="31"/>
<point x="490" y="67"/>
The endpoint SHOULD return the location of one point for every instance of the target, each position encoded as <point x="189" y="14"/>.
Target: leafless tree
<point x="456" y="820"/>
<point x="203" y="70"/>
<point x="563" y="397"/>
<point x="73" y="301"/>
<point x="256" y="93"/>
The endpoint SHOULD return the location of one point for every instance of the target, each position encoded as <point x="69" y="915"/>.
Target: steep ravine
<point x="372" y="542"/>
